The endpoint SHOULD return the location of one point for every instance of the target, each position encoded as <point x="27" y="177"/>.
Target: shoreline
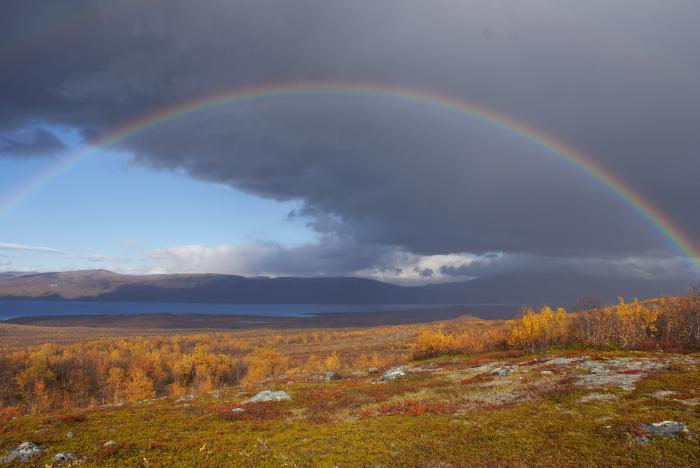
<point x="247" y="321"/>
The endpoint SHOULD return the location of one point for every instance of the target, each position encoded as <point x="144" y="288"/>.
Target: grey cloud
<point x="425" y="272"/>
<point x="35" y="142"/>
<point x="424" y="181"/>
<point x="629" y="267"/>
<point x="618" y="82"/>
<point x="338" y="257"/>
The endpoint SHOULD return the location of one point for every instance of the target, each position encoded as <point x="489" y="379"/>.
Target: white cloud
<point x="29" y="248"/>
<point x="406" y="268"/>
<point x="246" y="259"/>
<point x="41" y="258"/>
<point x="329" y="257"/>
<point x="339" y="257"/>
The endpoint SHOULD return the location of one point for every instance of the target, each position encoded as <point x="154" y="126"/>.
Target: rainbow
<point x="474" y="111"/>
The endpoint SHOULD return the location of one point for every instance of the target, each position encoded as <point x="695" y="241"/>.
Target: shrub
<point x="265" y="363"/>
<point x="432" y="343"/>
<point x="538" y="330"/>
<point x="666" y="323"/>
<point x="9" y="412"/>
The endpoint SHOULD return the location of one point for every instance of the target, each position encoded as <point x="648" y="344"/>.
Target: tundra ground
<point x="563" y="407"/>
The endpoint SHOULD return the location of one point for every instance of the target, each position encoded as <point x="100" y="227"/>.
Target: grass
<point x="424" y="420"/>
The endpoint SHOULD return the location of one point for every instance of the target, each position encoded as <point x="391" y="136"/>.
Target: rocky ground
<point x="565" y="408"/>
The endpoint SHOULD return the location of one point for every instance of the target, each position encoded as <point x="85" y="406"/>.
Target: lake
<point x="33" y="308"/>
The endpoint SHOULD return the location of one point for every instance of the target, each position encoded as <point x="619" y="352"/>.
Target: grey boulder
<point x="62" y="457"/>
<point x="665" y="428"/>
<point x="502" y="371"/>
<point x="394" y="373"/>
<point x="662" y="429"/>
<point x="268" y="395"/>
<point x="330" y="375"/>
<point x="22" y="453"/>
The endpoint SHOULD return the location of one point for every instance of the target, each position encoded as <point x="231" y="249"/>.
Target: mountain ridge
<point x="560" y="289"/>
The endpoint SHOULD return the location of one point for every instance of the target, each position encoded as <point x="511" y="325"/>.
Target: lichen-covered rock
<point x="661" y="394"/>
<point x="188" y="397"/>
<point x="593" y="367"/>
<point x="502" y="371"/>
<point x="22" y="453"/>
<point x="394" y="373"/>
<point x="62" y="457"/>
<point x="428" y="368"/>
<point x="665" y="428"/>
<point x="588" y="365"/>
<point x="330" y="375"/>
<point x="238" y="411"/>
<point x="563" y="361"/>
<point x="109" y="443"/>
<point x="597" y="397"/>
<point x="634" y="364"/>
<point x="618" y="372"/>
<point x="661" y="429"/>
<point x="268" y="395"/>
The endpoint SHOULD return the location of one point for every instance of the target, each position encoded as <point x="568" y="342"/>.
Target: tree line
<point x="117" y="370"/>
<point x="671" y="323"/>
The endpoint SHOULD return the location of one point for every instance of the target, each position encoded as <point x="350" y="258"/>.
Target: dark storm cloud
<point x="617" y="79"/>
<point x="425" y="272"/>
<point x="423" y="181"/>
<point x="667" y="267"/>
<point x="39" y="141"/>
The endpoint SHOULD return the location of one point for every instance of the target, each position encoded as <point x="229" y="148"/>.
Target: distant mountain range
<point x="555" y="289"/>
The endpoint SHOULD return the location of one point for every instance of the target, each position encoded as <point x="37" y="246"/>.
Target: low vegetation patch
<point x="266" y="410"/>
<point x="410" y="407"/>
<point x="478" y="379"/>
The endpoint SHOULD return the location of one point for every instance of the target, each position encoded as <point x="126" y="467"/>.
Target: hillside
<point x="562" y="289"/>
<point x="494" y="409"/>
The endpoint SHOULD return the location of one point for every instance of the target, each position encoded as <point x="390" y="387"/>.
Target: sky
<point x="375" y="184"/>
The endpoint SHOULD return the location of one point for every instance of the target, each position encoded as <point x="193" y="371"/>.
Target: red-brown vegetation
<point x="409" y="407"/>
<point x="264" y="410"/>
